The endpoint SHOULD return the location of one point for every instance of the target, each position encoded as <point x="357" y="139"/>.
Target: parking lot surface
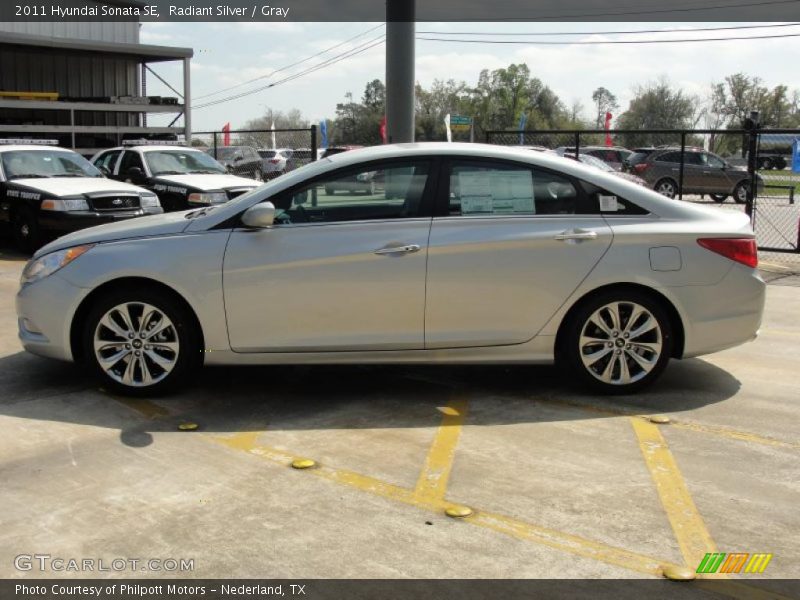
<point x="560" y="484"/>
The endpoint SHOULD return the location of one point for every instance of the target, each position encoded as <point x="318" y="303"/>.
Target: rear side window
<point x="480" y="188"/>
<point x="669" y="157"/>
<point x="608" y="203"/>
<point x="637" y="157"/>
<point x="107" y="160"/>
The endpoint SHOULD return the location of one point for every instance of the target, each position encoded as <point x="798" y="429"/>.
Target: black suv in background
<point x="704" y="173"/>
<point x="240" y="160"/>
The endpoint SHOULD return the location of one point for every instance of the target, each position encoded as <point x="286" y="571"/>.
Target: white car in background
<point x="274" y="162"/>
<point x="459" y="253"/>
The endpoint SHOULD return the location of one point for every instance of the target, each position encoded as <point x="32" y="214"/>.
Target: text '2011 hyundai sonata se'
<point x="454" y="253"/>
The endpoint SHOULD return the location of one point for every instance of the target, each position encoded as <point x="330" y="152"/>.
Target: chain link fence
<point x="260" y="154"/>
<point x="711" y="167"/>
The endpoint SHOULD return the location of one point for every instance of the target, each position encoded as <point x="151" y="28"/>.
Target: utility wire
<point x="300" y="62"/>
<point x="605" y="42"/>
<point x="329" y="62"/>
<point x="541" y="33"/>
<point x="645" y="11"/>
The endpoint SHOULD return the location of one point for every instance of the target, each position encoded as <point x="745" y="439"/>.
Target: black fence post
<point x="577" y="145"/>
<point x="313" y="143"/>
<point x="215" y="145"/>
<point x="683" y="162"/>
<point x="752" y="164"/>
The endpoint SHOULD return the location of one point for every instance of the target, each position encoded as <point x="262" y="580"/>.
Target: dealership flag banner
<point x="609" y="116"/>
<point x="796" y="155"/>
<point x="274" y="145"/>
<point x="382" y="129"/>
<point x="323" y="133"/>
<point x="523" y="119"/>
<point x="226" y="134"/>
<point x="447" y="127"/>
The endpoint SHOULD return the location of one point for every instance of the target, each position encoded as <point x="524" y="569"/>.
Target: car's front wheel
<point x="618" y="342"/>
<point x="719" y="198"/>
<point x="142" y="342"/>
<point x="25" y="230"/>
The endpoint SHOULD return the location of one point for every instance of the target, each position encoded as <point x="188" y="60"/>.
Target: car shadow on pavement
<point x="295" y="398"/>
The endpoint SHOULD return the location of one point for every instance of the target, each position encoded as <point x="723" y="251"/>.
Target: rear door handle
<point x="407" y="249"/>
<point x="576" y="234"/>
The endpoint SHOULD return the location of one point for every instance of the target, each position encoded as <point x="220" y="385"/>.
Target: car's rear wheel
<point x="618" y="342"/>
<point x="25" y="230"/>
<point x="141" y="343"/>
<point x="766" y="164"/>
<point x="719" y="198"/>
<point x="740" y="192"/>
<point x="666" y="187"/>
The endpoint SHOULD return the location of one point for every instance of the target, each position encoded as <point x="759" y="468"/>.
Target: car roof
<point x="9" y="147"/>
<point x="155" y="147"/>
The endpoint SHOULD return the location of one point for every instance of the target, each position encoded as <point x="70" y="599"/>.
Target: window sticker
<point x="608" y="204"/>
<point x="496" y="192"/>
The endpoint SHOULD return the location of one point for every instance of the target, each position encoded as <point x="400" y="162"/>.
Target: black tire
<point x="766" y="164"/>
<point x="328" y="191"/>
<point x="25" y="230"/>
<point x="780" y="163"/>
<point x="740" y="192"/>
<point x="666" y="187"/>
<point x="573" y="356"/>
<point x="183" y="329"/>
<point x="719" y="198"/>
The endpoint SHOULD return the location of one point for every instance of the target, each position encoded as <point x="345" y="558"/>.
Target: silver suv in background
<point x="274" y="162"/>
<point x="704" y="173"/>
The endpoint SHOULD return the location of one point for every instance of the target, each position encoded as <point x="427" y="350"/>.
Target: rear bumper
<point x="723" y="315"/>
<point x="67" y="222"/>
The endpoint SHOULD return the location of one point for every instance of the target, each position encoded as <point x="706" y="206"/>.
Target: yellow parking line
<point x="432" y="482"/>
<point x="690" y="531"/>
<point x="144" y="407"/>
<point x="735" y="434"/>
<point x="507" y="525"/>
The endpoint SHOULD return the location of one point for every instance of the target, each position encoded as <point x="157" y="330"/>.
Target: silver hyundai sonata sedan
<point x="455" y="253"/>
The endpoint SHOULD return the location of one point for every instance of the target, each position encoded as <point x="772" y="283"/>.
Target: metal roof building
<point x="84" y="83"/>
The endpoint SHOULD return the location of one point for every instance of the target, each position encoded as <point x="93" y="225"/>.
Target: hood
<point x="208" y="182"/>
<point x="150" y="226"/>
<point x="73" y="186"/>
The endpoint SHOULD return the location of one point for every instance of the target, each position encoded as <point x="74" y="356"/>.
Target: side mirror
<point x="135" y="174"/>
<point x="259" y="216"/>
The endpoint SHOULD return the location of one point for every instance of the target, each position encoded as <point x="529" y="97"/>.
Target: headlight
<point x="208" y="198"/>
<point x="65" y="204"/>
<point x="50" y="263"/>
<point x="150" y="201"/>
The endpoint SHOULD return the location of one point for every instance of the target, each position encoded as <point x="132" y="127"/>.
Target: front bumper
<point x="67" y="222"/>
<point x="45" y="310"/>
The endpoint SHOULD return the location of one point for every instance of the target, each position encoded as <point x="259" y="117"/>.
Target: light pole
<point x="400" y="29"/>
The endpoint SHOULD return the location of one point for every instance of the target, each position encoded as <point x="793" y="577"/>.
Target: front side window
<point x="177" y="162"/>
<point x="107" y="160"/>
<point x="481" y="189"/>
<point x="130" y="159"/>
<point x="21" y="164"/>
<point x="390" y="191"/>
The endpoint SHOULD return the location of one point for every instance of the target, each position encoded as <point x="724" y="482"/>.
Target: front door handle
<point x="576" y="234"/>
<point x="407" y="249"/>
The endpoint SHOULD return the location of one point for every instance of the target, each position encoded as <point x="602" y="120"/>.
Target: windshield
<point x="228" y="151"/>
<point x="595" y="162"/>
<point x="18" y="164"/>
<point x="176" y="162"/>
<point x="267" y="153"/>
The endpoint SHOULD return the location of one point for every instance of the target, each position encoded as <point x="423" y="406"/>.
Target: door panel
<point x="323" y="287"/>
<point x="498" y="280"/>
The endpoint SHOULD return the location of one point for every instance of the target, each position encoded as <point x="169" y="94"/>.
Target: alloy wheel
<point x="136" y="344"/>
<point x="620" y="343"/>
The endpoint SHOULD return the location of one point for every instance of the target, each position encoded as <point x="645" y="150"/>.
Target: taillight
<point x="741" y="250"/>
<point x="274" y="161"/>
<point x="640" y="168"/>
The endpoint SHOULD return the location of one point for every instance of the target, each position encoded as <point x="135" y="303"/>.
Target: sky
<point x="227" y="54"/>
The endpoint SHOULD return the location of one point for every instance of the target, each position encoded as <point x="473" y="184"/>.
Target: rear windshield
<point x="267" y="153"/>
<point x="637" y="157"/>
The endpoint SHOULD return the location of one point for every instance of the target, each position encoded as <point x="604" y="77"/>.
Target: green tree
<point x="657" y="105"/>
<point x="605" y="102"/>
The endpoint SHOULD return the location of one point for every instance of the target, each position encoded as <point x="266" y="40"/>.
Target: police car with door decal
<point x="47" y="191"/>
<point x="181" y="176"/>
